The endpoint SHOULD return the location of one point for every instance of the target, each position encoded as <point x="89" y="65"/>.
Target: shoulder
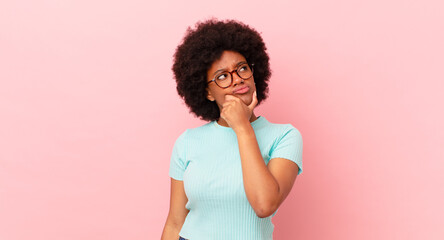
<point x="196" y="132"/>
<point x="280" y="129"/>
<point x="199" y="131"/>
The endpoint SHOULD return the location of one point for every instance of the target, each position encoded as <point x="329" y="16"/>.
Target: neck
<point x="224" y="123"/>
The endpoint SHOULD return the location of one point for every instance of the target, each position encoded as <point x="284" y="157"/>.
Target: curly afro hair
<point x="204" y="45"/>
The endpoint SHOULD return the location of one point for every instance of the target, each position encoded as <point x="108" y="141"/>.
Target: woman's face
<point x="229" y="61"/>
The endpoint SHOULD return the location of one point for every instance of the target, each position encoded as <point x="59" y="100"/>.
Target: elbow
<point x="266" y="207"/>
<point x="265" y="211"/>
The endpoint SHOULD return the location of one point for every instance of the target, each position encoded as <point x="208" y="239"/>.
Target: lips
<point x="241" y="90"/>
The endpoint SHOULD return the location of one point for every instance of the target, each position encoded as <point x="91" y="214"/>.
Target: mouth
<point x="241" y="90"/>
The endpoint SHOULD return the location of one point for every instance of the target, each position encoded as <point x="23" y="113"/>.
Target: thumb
<point x="254" y="102"/>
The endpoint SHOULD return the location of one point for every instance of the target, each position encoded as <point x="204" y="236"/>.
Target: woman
<point x="230" y="175"/>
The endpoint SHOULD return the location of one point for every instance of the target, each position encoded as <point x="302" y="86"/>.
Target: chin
<point x="246" y="98"/>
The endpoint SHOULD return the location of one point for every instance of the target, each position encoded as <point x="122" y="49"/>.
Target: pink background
<point x="89" y="114"/>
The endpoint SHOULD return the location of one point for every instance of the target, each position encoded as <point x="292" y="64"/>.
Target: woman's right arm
<point x="177" y="212"/>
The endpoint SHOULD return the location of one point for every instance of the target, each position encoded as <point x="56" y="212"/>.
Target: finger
<point x="254" y="101"/>
<point x="229" y="102"/>
<point x="231" y="98"/>
<point x="228" y="99"/>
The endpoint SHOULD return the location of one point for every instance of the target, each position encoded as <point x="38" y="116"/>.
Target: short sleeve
<point x="289" y="146"/>
<point x="178" y="157"/>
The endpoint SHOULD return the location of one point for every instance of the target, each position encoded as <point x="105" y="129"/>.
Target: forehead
<point x="227" y="60"/>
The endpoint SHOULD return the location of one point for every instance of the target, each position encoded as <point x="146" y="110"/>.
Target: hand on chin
<point x="236" y="112"/>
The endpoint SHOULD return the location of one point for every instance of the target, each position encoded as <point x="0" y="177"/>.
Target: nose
<point x="236" y="79"/>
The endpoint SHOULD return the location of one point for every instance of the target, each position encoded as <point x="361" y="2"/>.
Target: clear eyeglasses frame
<point x="228" y="80"/>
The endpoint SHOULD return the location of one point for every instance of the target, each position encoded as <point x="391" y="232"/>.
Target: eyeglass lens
<point x="224" y="79"/>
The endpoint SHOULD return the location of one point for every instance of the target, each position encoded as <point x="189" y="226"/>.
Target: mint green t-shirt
<point x="207" y="160"/>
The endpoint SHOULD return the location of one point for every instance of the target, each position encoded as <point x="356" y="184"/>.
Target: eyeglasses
<point x="225" y="79"/>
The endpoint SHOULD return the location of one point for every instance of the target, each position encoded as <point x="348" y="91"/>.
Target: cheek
<point x="220" y="97"/>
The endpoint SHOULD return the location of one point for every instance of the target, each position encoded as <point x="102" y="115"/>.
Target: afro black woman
<point x="230" y="175"/>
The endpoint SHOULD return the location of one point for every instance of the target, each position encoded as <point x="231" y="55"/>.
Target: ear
<point x="209" y="95"/>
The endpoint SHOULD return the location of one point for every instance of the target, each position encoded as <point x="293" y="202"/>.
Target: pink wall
<point x="89" y="114"/>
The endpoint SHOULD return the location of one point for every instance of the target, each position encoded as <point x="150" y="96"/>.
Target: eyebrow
<point x="224" y="69"/>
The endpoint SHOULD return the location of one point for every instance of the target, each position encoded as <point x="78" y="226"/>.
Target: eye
<point x="222" y="76"/>
<point x="243" y="68"/>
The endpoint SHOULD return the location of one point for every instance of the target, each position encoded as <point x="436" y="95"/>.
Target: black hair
<point x="205" y="44"/>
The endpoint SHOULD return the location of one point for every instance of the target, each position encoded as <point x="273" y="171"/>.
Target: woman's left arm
<point x="266" y="187"/>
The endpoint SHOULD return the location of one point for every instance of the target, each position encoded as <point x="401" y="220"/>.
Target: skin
<point x="266" y="186"/>
<point x="177" y="213"/>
